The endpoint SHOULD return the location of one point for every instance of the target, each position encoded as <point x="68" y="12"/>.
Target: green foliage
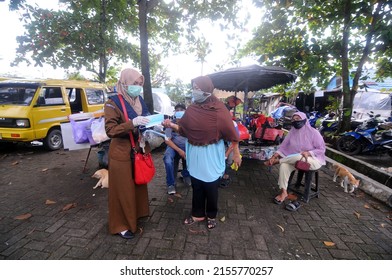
<point x="87" y="34"/>
<point x="321" y="38"/>
<point x="16" y="4"/>
<point x="334" y="105"/>
<point x="75" y="76"/>
<point x="178" y="92"/>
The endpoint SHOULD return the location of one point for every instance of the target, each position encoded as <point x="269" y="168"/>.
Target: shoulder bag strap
<point x="126" y="117"/>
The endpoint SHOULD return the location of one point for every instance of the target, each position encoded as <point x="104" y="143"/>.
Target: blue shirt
<point x="206" y="163"/>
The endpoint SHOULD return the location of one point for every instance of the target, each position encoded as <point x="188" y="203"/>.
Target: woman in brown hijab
<point x="127" y="201"/>
<point x="207" y="124"/>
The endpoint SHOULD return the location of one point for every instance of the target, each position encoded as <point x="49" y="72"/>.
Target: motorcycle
<point x="329" y="124"/>
<point x="264" y="130"/>
<point x="313" y="118"/>
<point x="366" y="138"/>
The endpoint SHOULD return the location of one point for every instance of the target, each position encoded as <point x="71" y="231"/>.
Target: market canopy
<point x="251" y="78"/>
<point x="225" y="94"/>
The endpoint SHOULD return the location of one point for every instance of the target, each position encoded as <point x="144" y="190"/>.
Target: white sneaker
<point x="171" y="190"/>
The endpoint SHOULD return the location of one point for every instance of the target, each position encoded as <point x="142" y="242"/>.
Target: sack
<point x="80" y="130"/>
<point x="302" y="165"/>
<point x="143" y="168"/>
<point x="98" y="130"/>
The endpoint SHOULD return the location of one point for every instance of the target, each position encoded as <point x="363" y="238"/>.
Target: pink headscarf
<point x="127" y="77"/>
<point x="304" y="139"/>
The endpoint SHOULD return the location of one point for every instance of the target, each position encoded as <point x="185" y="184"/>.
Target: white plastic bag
<point x="98" y="130"/>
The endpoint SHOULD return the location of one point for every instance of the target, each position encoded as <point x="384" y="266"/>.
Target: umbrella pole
<point x="235" y="107"/>
<point x="245" y="104"/>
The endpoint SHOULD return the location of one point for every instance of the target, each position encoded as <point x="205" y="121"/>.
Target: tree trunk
<point x="349" y="94"/>
<point x="145" y="63"/>
<point x="345" y="123"/>
<point x="103" y="63"/>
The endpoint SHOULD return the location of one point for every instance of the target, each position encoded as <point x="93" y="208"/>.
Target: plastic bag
<point x="98" y="130"/>
<point x="80" y="130"/>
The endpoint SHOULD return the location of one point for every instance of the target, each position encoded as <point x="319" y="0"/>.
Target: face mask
<point x="198" y="96"/>
<point x="133" y="90"/>
<point x="179" y="114"/>
<point x="298" y="124"/>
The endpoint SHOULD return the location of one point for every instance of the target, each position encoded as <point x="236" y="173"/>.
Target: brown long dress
<point x="127" y="201"/>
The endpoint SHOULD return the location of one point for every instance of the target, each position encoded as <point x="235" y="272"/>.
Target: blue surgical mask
<point x="133" y="90"/>
<point x="199" y="97"/>
<point x="179" y="114"/>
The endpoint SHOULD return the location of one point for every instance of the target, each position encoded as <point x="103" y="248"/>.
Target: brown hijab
<point x="127" y="77"/>
<point x="208" y="122"/>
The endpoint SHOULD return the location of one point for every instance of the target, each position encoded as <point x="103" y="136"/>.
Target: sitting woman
<point x="301" y="141"/>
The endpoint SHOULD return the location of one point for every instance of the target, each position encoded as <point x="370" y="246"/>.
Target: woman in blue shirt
<point x="206" y="124"/>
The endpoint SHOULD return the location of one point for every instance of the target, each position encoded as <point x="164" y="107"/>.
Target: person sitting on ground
<point x="301" y="141"/>
<point x="175" y="150"/>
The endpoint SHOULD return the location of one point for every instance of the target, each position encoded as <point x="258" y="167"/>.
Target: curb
<point x="368" y="185"/>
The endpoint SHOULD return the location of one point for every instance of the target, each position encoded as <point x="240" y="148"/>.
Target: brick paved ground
<point x="250" y="226"/>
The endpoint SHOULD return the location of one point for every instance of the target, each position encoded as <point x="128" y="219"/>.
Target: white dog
<point x="103" y="176"/>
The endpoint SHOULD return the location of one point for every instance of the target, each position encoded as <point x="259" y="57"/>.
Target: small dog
<point x="347" y="179"/>
<point x="103" y="176"/>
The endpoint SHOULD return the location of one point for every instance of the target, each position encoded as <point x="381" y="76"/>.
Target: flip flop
<point x="293" y="206"/>
<point x="190" y="221"/>
<point x="211" y="223"/>
<point x="279" y="202"/>
<point x="224" y="182"/>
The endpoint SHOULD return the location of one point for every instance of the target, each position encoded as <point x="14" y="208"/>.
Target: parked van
<point x="32" y="110"/>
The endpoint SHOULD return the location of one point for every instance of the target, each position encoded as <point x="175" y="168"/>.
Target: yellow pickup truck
<point x="32" y="110"/>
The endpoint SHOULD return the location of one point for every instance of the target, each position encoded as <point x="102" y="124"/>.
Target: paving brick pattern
<point x="250" y="226"/>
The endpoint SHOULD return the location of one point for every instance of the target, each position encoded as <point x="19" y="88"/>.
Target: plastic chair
<point x="311" y="189"/>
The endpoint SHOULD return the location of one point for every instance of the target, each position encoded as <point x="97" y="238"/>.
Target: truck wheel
<point x="53" y="141"/>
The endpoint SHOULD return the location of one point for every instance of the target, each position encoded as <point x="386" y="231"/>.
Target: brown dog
<point x="103" y="176"/>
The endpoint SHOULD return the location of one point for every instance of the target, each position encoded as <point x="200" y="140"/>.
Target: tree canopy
<point x="318" y="39"/>
<point x="96" y="34"/>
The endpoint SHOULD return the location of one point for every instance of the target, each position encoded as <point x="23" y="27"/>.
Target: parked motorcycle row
<point x="373" y="135"/>
<point x="370" y="135"/>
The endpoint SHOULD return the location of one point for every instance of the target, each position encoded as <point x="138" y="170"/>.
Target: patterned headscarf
<point x="306" y="138"/>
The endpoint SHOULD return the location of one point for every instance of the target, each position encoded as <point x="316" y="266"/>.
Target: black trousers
<point x="205" y="198"/>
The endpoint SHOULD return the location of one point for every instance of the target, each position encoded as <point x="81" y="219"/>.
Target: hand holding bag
<point x="302" y="165"/>
<point x="143" y="165"/>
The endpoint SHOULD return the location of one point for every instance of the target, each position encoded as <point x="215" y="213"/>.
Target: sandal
<point x="274" y="162"/>
<point x="211" y="223"/>
<point x="225" y="182"/>
<point x="277" y="201"/>
<point x="293" y="206"/>
<point x="190" y="221"/>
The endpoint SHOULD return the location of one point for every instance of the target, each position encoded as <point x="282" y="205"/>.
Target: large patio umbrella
<point x="251" y="78"/>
